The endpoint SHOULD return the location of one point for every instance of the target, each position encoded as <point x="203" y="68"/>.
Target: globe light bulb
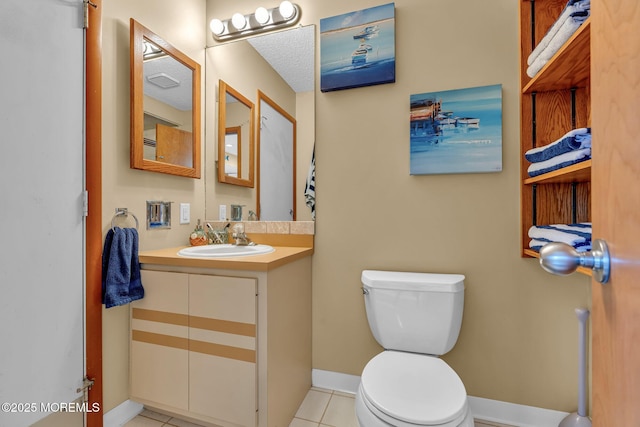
<point x="238" y="21"/>
<point x="216" y="26"/>
<point x="286" y="9"/>
<point x="262" y="15"/>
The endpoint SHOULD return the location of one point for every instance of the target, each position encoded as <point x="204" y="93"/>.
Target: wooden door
<point x="174" y="146"/>
<point x="615" y="59"/>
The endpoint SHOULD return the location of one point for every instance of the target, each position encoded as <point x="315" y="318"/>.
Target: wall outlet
<point x="223" y="213"/>
<point x="185" y="213"/>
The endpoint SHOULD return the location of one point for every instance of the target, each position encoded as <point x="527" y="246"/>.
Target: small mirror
<point x="165" y="106"/>
<point x="235" y="137"/>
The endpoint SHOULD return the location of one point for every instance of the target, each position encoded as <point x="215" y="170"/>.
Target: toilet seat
<point x="408" y="389"/>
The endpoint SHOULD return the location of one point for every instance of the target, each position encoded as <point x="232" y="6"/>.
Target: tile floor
<point x="320" y="408"/>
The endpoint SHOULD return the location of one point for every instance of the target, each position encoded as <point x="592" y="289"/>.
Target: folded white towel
<point x="564" y="33"/>
<point x="559" y="162"/>
<point x="570" y="9"/>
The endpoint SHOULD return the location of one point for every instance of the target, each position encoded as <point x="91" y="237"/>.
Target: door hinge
<point x="86" y="385"/>
<point x="86" y="4"/>
<point x="85" y="203"/>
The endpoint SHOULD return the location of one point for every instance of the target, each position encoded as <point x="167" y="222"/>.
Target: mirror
<point x="165" y="106"/>
<point x="235" y="137"/>
<point x="281" y="65"/>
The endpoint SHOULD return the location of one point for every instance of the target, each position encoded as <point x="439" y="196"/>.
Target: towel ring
<point x="121" y="212"/>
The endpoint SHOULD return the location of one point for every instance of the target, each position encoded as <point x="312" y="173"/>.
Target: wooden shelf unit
<point x="553" y="102"/>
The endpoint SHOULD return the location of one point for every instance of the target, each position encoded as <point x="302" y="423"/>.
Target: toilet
<point x="415" y="317"/>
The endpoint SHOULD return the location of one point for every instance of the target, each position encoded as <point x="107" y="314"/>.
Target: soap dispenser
<point x="198" y="237"/>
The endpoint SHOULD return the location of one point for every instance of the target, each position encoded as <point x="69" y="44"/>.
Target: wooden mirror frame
<point x="223" y="90"/>
<point x="137" y="34"/>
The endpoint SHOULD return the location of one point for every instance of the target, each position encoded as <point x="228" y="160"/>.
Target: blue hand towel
<point x="121" y="281"/>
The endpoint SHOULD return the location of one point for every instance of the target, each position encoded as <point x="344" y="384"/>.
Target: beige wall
<point x="183" y="25"/>
<point x="518" y="340"/>
<point x="519" y="334"/>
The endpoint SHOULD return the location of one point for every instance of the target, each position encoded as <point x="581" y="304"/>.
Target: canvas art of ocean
<point x="358" y="49"/>
<point x="456" y="131"/>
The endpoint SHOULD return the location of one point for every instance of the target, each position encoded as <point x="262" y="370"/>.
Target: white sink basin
<point x="220" y="251"/>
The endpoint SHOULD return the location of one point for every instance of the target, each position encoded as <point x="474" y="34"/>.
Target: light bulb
<point x="216" y="26"/>
<point x="238" y="21"/>
<point x="262" y="15"/>
<point x="286" y="9"/>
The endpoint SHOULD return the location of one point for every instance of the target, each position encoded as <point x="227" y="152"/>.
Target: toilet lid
<point x="414" y="388"/>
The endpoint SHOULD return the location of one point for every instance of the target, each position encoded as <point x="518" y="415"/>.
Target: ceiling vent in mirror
<point x="163" y="80"/>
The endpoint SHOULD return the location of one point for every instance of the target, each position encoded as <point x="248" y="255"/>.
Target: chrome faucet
<point x="240" y="237"/>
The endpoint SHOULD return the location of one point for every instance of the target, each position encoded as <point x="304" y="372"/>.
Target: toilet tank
<point x="415" y="312"/>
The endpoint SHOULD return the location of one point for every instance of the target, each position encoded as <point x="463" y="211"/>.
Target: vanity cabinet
<point x="193" y="345"/>
<point x="223" y="347"/>
<point x="553" y="102"/>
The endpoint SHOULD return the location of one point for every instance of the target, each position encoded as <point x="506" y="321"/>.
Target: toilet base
<point x="368" y="419"/>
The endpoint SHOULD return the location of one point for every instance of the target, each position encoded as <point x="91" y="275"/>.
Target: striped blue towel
<point x="559" y="162"/>
<point x="310" y="187"/>
<point x="575" y="139"/>
<point x="536" y="245"/>
<point x="577" y="235"/>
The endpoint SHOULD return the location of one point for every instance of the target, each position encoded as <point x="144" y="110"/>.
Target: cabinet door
<point x="222" y="348"/>
<point x="159" y="341"/>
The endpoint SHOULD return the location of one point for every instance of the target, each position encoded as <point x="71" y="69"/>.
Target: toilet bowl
<point x="415" y="317"/>
<point x="408" y="390"/>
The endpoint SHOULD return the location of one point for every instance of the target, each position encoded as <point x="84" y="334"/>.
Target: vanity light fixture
<point x="261" y="20"/>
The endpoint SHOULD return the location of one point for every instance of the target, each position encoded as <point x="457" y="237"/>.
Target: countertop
<point x="266" y="262"/>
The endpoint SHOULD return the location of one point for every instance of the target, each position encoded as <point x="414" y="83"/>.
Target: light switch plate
<point x="185" y="213"/>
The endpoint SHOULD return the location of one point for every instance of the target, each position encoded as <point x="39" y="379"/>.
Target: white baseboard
<point x="483" y="409"/>
<point x="122" y="414"/>
<point x="335" y="381"/>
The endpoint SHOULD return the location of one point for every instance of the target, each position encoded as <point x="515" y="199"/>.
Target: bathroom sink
<point x="227" y="250"/>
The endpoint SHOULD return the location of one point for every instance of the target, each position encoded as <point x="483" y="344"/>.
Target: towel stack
<point x="577" y="235"/>
<point x="573" y="15"/>
<point x="574" y="147"/>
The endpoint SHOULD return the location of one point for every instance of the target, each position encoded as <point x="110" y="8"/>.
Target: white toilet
<point x="416" y="317"/>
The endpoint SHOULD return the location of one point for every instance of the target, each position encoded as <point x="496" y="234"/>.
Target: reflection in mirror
<point x="276" y="165"/>
<point x="232" y="137"/>
<point x="280" y="65"/>
<point x="235" y="137"/>
<point x="165" y="106"/>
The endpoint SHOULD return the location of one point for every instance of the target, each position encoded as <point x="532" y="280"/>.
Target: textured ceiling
<point x="180" y="96"/>
<point x="291" y="53"/>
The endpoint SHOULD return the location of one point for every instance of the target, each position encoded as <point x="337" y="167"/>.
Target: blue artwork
<point x="456" y="131"/>
<point x="358" y="49"/>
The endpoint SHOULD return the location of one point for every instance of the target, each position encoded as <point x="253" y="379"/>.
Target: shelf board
<point x="569" y="67"/>
<point x="580" y="172"/>
<point x="533" y="254"/>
